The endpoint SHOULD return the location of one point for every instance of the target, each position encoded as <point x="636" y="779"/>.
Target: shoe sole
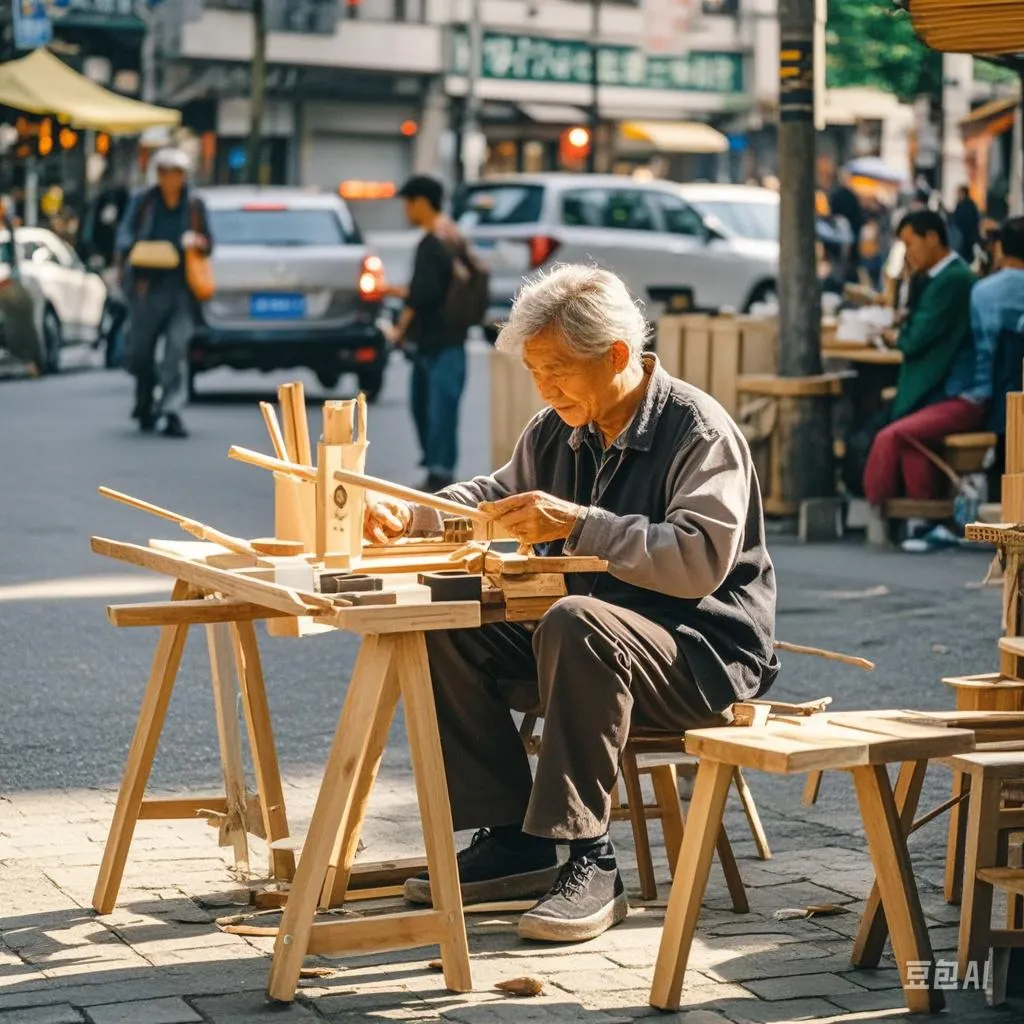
<point x="550" y="929"/>
<point x="531" y="885"/>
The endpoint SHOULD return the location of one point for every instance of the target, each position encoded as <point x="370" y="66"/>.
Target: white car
<point x="71" y="300"/>
<point x="720" y="241"/>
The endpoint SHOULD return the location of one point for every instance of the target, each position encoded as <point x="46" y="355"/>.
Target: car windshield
<point x="278" y="226"/>
<point x="758" y="220"/>
<point x="483" y="205"/>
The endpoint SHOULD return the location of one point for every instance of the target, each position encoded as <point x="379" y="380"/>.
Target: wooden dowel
<point x="361" y="417"/>
<point x="286" y="400"/>
<point x="817" y="652"/>
<point x="274" y="430"/>
<point x="410" y="494"/>
<point x="269" y="462"/>
<point x="142" y="506"/>
<point x="303" y="452"/>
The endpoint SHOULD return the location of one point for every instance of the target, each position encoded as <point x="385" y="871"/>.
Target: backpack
<point x="469" y="294"/>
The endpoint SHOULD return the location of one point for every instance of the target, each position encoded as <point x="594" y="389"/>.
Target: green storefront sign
<point x="567" y="62"/>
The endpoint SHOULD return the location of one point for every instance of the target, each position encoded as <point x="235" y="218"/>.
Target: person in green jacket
<point x="937" y="371"/>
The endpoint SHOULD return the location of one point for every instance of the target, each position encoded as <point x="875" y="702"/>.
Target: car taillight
<point x="371" y="279"/>
<point x="542" y="249"/>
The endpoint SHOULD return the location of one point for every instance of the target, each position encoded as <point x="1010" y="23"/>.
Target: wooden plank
<point x="270" y="595"/>
<point x="274" y="430"/>
<point x="690" y="881"/>
<point x="407" y="930"/>
<point x="295" y="510"/>
<point x="760" y="343"/>
<point x="435" y="812"/>
<point x="196" y="612"/>
<point x="166" y="659"/>
<point x="406" y="618"/>
<point x="365" y="691"/>
<point x="725" y="362"/>
<point x="769" y="750"/>
<point x="668" y="343"/>
<point x="1006" y="879"/>
<point x="286" y="400"/>
<point x="1015" y="433"/>
<point x="303" y="451"/>
<point x="527" y="609"/>
<point x="190" y="807"/>
<point x="896" y="883"/>
<point x="981" y="851"/>
<point x="696" y="368"/>
<point x="550" y="585"/>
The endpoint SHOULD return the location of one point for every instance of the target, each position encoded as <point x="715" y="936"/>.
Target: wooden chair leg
<point x="673" y="823"/>
<point x="261" y="743"/>
<point x="366" y="690"/>
<point x="229" y="734"/>
<point x="413" y="671"/>
<point x="869" y="944"/>
<point x="981" y="851"/>
<point x="733" y="879"/>
<point x="812" y="787"/>
<point x="638" y="818"/>
<point x="897" y="885"/>
<point x="166" y="660"/>
<point x="691" y="879"/>
<point x="764" y="851"/>
<point x="346" y="846"/>
<point x="956" y="838"/>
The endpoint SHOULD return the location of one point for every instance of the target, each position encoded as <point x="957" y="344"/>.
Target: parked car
<point x="70" y="299"/>
<point x="296" y="286"/>
<point x="21" y="307"/>
<point x="654" y="234"/>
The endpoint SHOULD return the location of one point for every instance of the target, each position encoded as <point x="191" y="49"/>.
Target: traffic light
<point x="45" y="143"/>
<point x="574" y="145"/>
<point x="102" y="143"/>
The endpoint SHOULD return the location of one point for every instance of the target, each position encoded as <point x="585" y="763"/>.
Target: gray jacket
<point x="675" y="507"/>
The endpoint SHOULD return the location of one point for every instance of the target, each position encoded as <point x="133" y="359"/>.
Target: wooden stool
<point x="663" y="758"/>
<point x="988" y="822"/>
<point x="1004" y="941"/>
<point x="233" y="654"/>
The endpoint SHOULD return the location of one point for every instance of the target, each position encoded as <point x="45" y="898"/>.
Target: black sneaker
<point x="490" y="871"/>
<point x="585" y="901"/>
<point x="173" y="427"/>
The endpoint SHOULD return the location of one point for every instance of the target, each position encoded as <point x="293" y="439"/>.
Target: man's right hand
<point x="385" y="519"/>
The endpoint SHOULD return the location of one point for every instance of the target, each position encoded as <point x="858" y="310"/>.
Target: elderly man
<point x="161" y="303"/>
<point x="643" y="470"/>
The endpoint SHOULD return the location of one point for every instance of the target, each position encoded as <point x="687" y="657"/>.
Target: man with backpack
<point x="446" y="295"/>
<point x="160" y="225"/>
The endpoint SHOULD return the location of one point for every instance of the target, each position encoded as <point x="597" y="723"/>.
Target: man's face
<point x="171" y="180"/>
<point x="923" y="251"/>
<point x="416" y="210"/>
<point x="576" y="387"/>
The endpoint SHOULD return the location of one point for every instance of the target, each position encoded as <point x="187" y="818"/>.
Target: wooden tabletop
<point x="863" y="354"/>
<point x="829" y="741"/>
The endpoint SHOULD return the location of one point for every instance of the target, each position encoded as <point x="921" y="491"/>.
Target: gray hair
<point x="588" y="308"/>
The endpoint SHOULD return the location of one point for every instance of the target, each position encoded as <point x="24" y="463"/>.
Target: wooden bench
<point x="959" y="455"/>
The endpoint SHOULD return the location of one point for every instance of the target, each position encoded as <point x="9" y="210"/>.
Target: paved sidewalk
<point x="160" y="958"/>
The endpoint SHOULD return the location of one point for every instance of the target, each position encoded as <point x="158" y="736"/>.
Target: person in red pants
<point x="935" y="392"/>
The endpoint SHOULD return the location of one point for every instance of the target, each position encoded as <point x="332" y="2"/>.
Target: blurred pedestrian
<point x="844" y="202"/>
<point x="442" y="300"/>
<point x="159" y="225"/>
<point x="967" y="220"/>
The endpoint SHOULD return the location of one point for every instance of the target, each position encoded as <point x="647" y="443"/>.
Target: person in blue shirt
<point x="997" y="309"/>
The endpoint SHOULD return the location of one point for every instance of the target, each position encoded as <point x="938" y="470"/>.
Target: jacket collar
<point x="639" y="435"/>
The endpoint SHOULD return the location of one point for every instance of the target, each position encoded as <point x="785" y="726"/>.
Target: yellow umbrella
<point x="970" y="26"/>
<point x="43" y="84"/>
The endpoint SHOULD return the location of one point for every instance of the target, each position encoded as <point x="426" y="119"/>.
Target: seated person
<point x="997" y="313"/>
<point x="636" y="467"/>
<point x="935" y="391"/>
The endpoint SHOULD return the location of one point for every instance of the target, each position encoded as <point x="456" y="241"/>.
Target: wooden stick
<point x="286" y="399"/>
<point x="192" y="526"/>
<point x="274" y="429"/>
<point x="361" y="417"/>
<point x="410" y="494"/>
<point x="269" y="462"/>
<point x="303" y="453"/>
<point x="817" y="652"/>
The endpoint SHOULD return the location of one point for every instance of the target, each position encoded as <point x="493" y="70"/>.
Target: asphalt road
<point x="70" y="684"/>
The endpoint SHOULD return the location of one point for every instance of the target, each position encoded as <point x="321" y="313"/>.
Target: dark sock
<point x="512" y="837"/>
<point x="599" y="849"/>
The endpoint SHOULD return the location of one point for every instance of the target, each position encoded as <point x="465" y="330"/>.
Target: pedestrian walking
<point x="160" y="226"/>
<point x="446" y="295"/>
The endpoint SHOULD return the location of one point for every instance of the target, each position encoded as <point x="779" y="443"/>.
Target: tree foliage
<point x="870" y="42"/>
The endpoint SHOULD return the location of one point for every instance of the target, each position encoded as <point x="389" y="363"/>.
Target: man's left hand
<point x="534" y="517"/>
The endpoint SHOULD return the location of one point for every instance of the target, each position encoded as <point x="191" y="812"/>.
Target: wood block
<point x="295" y="510"/>
<point x="339" y="510"/>
<point x="696" y="367"/>
<point x="527" y="609"/>
<point x="1013" y="497"/>
<point x="1015" y="432"/>
<point x="759" y="345"/>
<point x="669" y="343"/>
<point x="725" y="362"/>
<point x="532" y="585"/>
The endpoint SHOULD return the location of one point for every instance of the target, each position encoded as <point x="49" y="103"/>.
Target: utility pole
<point x="470" y="157"/>
<point x="595" y="83"/>
<point x="809" y="454"/>
<point x="257" y="92"/>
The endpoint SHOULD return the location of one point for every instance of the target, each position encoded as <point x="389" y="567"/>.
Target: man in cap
<point x="161" y="303"/>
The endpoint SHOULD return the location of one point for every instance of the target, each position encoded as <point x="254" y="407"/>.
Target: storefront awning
<point x="43" y="84"/>
<point x="675" y="136"/>
<point x="554" y="113"/>
<point x="970" y="26"/>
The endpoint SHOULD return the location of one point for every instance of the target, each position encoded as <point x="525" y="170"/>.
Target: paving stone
<point x="149" y="1011"/>
<point x="557" y="1010"/>
<point x="875" y="979"/>
<point x="246" y="1007"/>
<point x="62" y="1013"/>
<point x="781" y="1011"/>
<point x="801" y="986"/>
<point x="864" y="1001"/>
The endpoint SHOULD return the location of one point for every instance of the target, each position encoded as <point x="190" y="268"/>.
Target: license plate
<point x="277" y="306"/>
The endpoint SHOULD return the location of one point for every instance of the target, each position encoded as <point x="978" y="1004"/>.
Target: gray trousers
<point x="164" y="312"/>
<point x="593" y="670"/>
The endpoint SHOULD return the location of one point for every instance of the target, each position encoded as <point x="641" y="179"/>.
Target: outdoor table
<point x="876" y="370"/>
<point x="863" y="744"/>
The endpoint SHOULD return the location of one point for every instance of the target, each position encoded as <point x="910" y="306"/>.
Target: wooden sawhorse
<point x="234" y="653"/>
